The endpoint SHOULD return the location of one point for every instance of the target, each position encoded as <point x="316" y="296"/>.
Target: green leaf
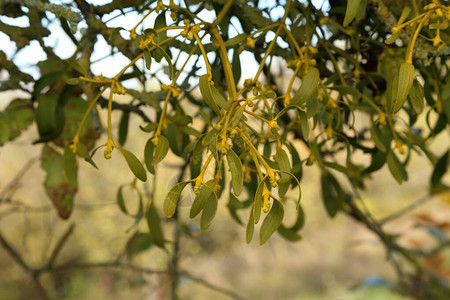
<point x="237" y="116"/>
<point x="148" y="59"/>
<point x="209" y="212"/>
<point x="161" y="149"/>
<point x="289" y="234"/>
<point x="123" y="128"/>
<point x="150" y="127"/>
<point x="376" y="137"/>
<point x="258" y="202"/>
<point x="250" y="227"/>
<point x="171" y="201"/>
<point x="304" y="124"/>
<point x="70" y="166"/>
<point x="205" y="90"/>
<point x="167" y="57"/>
<point x="271" y="222"/>
<point x="307" y="87"/>
<point x="76" y="66"/>
<point x="361" y="10"/>
<point x="405" y="13"/>
<point x="237" y="178"/>
<point x="416" y="97"/>
<point x="154" y="224"/>
<point x="134" y="164"/>
<point x="114" y="34"/>
<point x="405" y="81"/>
<point x="396" y="168"/>
<point x="56" y="184"/>
<point x="66" y="27"/>
<point x="392" y="38"/>
<point x="332" y="194"/>
<point x="235" y="40"/>
<point x="282" y="160"/>
<point x="439" y="171"/>
<point x="201" y="199"/>
<point x="236" y="65"/>
<point x="351" y="11"/>
<point x="121" y="201"/>
<point x="75" y="81"/>
<point x="312" y="106"/>
<point x="219" y="99"/>
<point x="138" y="243"/>
<point x="148" y="155"/>
<point x="84" y="153"/>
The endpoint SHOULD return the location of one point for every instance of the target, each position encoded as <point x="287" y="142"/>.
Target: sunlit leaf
<point x="405" y="81"/>
<point x="250" y="227"/>
<point x="237" y="178"/>
<point x="134" y="164"/>
<point x="396" y="168"/>
<point x="271" y="222"/>
<point x="307" y="87"/>
<point x="351" y="11"/>
<point x="154" y="224"/>
<point x="208" y="213"/>
<point x="171" y="201"/>
<point x="161" y="149"/>
<point x="201" y="199"/>
<point x="416" y="96"/>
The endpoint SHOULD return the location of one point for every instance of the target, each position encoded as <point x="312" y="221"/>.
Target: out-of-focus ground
<point x="332" y="258"/>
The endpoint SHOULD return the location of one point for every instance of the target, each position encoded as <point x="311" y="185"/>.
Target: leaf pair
<point x="270" y="224"/>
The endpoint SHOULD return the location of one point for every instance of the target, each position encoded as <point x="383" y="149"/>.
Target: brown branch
<point x="62" y="241"/>
<point x="67" y="268"/>
<point x="405" y="210"/>
<point x="16" y="256"/>
<point x="213" y="286"/>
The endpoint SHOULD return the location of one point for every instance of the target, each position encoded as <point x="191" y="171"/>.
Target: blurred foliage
<point x="369" y="72"/>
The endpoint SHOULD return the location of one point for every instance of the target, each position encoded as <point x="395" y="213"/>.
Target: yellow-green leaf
<point x="148" y="155"/>
<point x="70" y="166"/>
<point x="416" y="96"/>
<point x="74" y="81"/>
<point x="219" y="99"/>
<point x="148" y="59"/>
<point x="405" y="81"/>
<point x="307" y="87"/>
<point x="171" y="201"/>
<point x="237" y="178"/>
<point x="351" y="11"/>
<point x="134" y="164"/>
<point x="154" y="224"/>
<point x="209" y="212"/>
<point x="121" y="201"/>
<point x="283" y="162"/>
<point x="405" y="13"/>
<point x="258" y="202"/>
<point x="205" y="90"/>
<point x="200" y="200"/>
<point x="396" y="168"/>
<point x="376" y="137"/>
<point x="271" y="222"/>
<point x="161" y="149"/>
<point x="250" y="227"/>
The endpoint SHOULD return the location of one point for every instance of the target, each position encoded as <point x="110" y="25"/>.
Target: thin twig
<point x="67" y="268"/>
<point x="405" y="210"/>
<point x="214" y="287"/>
<point x="14" y="253"/>
<point x="62" y="241"/>
<point x="12" y="185"/>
